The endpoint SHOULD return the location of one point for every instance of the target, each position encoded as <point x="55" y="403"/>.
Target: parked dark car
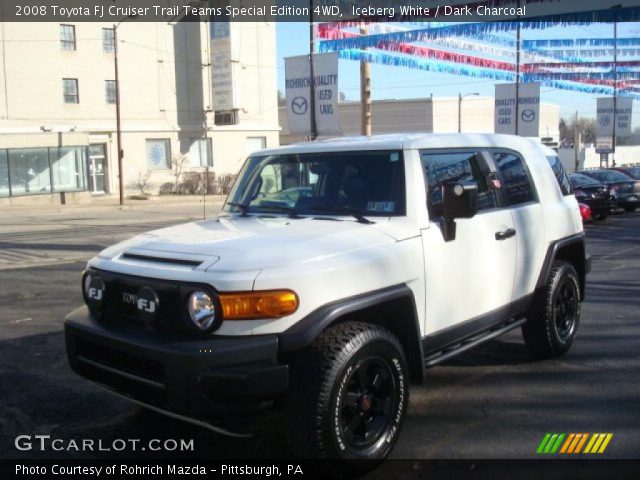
<point x="633" y="172"/>
<point x="624" y="189"/>
<point x="592" y="193"/>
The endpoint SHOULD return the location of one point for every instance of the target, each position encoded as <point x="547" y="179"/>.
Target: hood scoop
<point x="174" y="261"/>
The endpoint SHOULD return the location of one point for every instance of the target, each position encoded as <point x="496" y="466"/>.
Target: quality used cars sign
<point x="298" y="85"/>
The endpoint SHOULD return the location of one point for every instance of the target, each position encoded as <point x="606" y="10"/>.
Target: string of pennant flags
<point x="486" y="50"/>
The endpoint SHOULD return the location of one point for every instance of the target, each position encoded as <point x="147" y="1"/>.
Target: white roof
<point x="406" y="141"/>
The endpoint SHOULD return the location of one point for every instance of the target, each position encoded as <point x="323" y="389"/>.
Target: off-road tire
<point x="558" y="300"/>
<point x="325" y="379"/>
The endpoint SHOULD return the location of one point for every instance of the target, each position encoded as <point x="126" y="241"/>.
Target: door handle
<point x="503" y="235"/>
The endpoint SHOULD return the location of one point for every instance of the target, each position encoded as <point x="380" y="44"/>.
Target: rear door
<point x="472" y="276"/>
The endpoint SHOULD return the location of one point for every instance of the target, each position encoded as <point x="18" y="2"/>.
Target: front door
<point x="97" y="168"/>
<point x="472" y="276"/>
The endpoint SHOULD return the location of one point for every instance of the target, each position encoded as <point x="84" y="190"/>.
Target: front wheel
<point x="349" y="394"/>
<point x="630" y="208"/>
<point x="552" y="320"/>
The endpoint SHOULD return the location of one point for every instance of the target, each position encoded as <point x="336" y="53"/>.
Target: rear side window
<point x="462" y="167"/>
<point x="561" y="174"/>
<point x="517" y="185"/>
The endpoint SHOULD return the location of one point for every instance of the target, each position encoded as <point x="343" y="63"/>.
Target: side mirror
<point x="458" y="201"/>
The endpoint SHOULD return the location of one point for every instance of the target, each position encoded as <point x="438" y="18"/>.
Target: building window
<point x="68" y="168"/>
<point x="225" y="117"/>
<point x="29" y="171"/>
<point x="4" y="174"/>
<point x="110" y="91"/>
<point x="200" y="152"/>
<point x="256" y="143"/>
<point x="158" y="151"/>
<point x="70" y="90"/>
<point x="108" y="40"/>
<point x="517" y="185"/>
<point x="32" y="171"/>
<point x="67" y="37"/>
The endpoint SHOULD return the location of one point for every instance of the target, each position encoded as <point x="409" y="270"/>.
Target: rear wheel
<point x="349" y="394"/>
<point x="553" y="318"/>
<point x="600" y="216"/>
<point x="630" y="208"/>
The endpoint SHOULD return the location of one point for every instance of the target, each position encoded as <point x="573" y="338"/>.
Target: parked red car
<point x="585" y="212"/>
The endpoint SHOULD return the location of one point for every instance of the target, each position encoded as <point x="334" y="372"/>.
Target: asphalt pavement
<point x="493" y="402"/>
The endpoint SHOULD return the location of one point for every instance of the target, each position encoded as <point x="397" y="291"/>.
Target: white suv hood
<point x="234" y="243"/>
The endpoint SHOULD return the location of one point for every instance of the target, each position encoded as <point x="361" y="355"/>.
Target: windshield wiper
<point x="357" y="214"/>
<point x="241" y="206"/>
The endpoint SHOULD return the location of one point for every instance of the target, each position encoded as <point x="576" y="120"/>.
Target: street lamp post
<point x="460" y="97"/>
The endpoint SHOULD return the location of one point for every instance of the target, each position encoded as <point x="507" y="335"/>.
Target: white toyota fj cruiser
<point x="336" y="273"/>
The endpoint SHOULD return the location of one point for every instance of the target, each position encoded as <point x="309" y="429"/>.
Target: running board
<point x="470" y="342"/>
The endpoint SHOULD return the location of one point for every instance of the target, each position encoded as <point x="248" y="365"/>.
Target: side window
<point x="517" y="186"/>
<point x="561" y="175"/>
<point x="462" y="167"/>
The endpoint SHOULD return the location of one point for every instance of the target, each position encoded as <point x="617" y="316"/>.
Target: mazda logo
<point x="299" y="105"/>
<point x="528" y="116"/>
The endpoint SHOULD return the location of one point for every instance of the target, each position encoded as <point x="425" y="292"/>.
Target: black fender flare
<point x="583" y="266"/>
<point x="305" y="331"/>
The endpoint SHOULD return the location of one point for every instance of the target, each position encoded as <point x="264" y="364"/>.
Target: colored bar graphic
<point x="567" y="443"/>
<point x="543" y="443"/>
<point x="579" y="446"/>
<point x="598" y="443"/>
<point x="556" y="443"/>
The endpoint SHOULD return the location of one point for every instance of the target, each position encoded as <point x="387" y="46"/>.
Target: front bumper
<point x="204" y="377"/>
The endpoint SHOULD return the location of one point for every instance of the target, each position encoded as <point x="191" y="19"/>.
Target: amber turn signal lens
<point x="254" y="305"/>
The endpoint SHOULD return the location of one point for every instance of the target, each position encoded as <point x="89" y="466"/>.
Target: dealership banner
<point x="528" y="111"/>
<point x="298" y="84"/>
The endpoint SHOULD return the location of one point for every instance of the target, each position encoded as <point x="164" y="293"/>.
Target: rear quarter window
<point x="560" y="174"/>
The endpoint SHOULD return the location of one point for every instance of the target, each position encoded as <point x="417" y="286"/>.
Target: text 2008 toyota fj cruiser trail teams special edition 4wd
<point x="337" y="272"/>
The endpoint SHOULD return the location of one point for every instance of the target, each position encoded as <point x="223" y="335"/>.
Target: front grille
<point x="119" y="288"/>
<point x="120" y="360"/>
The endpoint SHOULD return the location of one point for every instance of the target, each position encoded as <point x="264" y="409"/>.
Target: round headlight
<point x="93" y="288"/>
<point x="202" y="310"/>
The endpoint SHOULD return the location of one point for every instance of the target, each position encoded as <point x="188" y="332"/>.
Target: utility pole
<point x="312" y="86"/>
<point x="365" y="90"/>
<point x="615" y="90"/>
<point x="460" y="97"/>
<point x="459" y="112"/>
<point x="576" y="143"/>
<point x="517" y="71"/>
<point x="118" y="129"/>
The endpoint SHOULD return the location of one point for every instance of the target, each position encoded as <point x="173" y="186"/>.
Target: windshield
<point x="369" y="182"/>
<point x="608" y="175"/>
<point x="579" y="180"/>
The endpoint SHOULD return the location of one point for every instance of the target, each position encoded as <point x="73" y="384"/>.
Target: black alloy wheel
<point x="368" y="402"/>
